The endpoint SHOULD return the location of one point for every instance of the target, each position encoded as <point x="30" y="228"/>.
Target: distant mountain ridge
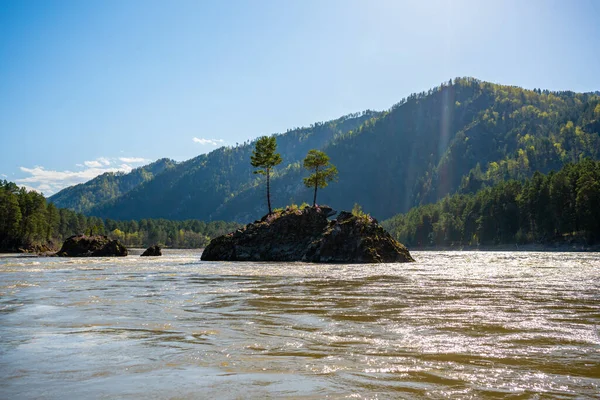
<point x="110" y="185"/>
<point x="457" y="137"/>
<point x="196" y="188"/>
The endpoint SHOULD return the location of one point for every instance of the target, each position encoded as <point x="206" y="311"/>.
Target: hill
<point x="197" y="188"/>
<point x="110" y="185"/>
<point x="456" y="137"/>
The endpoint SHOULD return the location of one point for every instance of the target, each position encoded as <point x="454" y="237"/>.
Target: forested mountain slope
<point x="559" y="208"/>
<point x="110" y="185"/>
<point x="198" y="187"/>
<point x="457" y="137"/>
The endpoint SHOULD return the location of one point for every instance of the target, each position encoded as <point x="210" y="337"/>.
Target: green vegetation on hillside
<point x="559" y="207"/>
<point x="27" y="221"/>
<point x="202" y="187"/>
<point x="444" y="141"/>
<point x="455" y="138"/>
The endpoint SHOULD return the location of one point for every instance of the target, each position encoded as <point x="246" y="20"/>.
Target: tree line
<point x="27" y="220"/>
<point x="559" y="207"/>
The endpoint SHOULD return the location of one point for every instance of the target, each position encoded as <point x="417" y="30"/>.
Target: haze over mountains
<point x="84" y="196"/>
<point x="456" y="137"/>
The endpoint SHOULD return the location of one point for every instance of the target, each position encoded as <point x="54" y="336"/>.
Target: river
<point x="451" y="325"/>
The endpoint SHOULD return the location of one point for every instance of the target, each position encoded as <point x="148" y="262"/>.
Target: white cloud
<point x="51" y="181"/>
<point x="133" y="160"/>
<point x="212" y="142"/>
<point x="92" y="164"/>
<point x="4" y="175"/>
<point x="97" y="163"/>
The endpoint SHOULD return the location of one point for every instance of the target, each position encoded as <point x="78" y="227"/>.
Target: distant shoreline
<point x="563" y="248"/>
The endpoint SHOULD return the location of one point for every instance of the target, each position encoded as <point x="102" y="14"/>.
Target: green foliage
<point x="26" y="220"/>
<point x="174" y="234"/>
<point x="357" y="211"/>
<point x="265" y="157"/>
<point x="541" y="209"/>
<point x="324" y="171"/>
<point x="292" y="207"/>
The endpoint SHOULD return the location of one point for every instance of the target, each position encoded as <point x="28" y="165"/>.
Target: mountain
<point x="110" y="185"/>
<point x="197" y="188"/>
<point x="457" y="137"/>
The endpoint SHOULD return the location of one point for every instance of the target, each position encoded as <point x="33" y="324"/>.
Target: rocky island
<point x="91" y="246"/>
<point x="152" y="251"/>
<point x="308" y="235"/>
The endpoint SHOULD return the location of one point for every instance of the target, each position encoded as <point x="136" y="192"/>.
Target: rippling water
<point x="452" y="325"/>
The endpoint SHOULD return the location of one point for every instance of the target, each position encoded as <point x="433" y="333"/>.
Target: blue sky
<point x="93" y="86"/>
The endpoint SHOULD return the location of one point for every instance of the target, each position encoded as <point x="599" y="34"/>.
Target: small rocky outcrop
<point x="152" y="251"/>
<point x="37" y="249"/>
<point x="307" y="235"/>
<point x="91" y="246"/>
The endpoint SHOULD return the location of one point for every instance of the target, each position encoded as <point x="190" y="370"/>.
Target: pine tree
<point x="265" y="157"/>
<point x="324" y="171"/>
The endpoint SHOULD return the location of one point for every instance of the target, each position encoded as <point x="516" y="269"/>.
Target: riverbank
<point x="489" y="248"/>
<point x="536" y="247"/>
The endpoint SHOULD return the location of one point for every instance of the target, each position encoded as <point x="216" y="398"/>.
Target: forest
<point x="558" y="208"/>
<point x="28" y="221"/>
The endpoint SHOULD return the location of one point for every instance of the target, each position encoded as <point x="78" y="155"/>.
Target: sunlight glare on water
<point x="453" y="324"/>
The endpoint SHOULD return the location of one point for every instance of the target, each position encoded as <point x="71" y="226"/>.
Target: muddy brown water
<point x="451" y="325"/>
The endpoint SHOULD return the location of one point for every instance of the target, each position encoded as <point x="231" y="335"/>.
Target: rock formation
<point x="307" y="235"/>
<point x="91" y="246"/>
<point x="37" y="248"/>
<point x="152" y="251"/>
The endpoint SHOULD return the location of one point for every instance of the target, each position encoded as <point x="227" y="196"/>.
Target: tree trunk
<point x="268" y="193"/>
<point x="316" y="185"/>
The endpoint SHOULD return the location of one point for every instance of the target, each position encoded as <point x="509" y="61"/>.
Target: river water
<point x="451" y="325"/>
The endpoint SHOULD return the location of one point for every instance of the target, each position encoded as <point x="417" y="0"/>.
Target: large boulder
<point x="91" y="246"/>
<point x="152" y="251"/>
<point x="308" y="235"/>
